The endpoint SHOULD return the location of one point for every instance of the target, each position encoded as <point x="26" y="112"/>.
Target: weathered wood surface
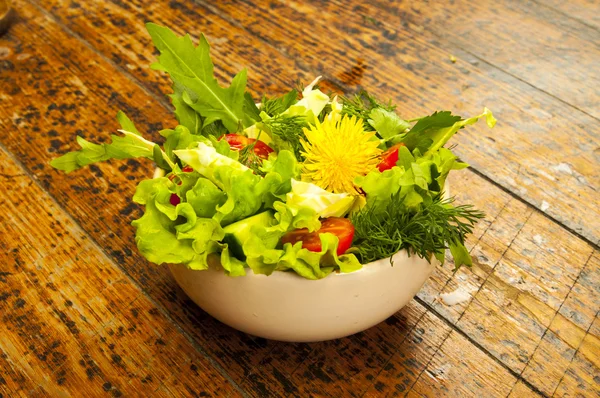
<point x="532" y="326"/>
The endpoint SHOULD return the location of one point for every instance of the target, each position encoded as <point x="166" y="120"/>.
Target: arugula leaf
<point x="441" y="136"/>
<point x="184" y="113"/>
<point x="191" y="67"/>
<point x="430" y="133"/>
<point x="251" y="111"/>
<point x="126" y="123"/>
<point x="387" y="123"/>
<point x="129" y="146"/>
<point x="436" y="120"/>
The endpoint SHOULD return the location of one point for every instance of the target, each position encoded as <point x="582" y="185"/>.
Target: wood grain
<point x="71" y="322"/>
<point x="579" y="9"/>
<point x="530" y="284"/>
<point x="526" y="39"/>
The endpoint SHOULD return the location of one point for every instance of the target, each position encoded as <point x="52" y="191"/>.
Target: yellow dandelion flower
<point x="336" y="152"/>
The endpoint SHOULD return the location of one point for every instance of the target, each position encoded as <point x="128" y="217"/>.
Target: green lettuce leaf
<point x="263" y="257"/>
<point x="191" y="67"/>
<point x="246" y="193"/>
<point x="205" y="198"/>
<point x="173" y="234"/>
<point x="325" y="204"/>
<point x="387" y="123"/>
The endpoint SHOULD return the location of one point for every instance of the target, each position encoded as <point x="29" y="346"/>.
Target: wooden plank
<point x="584" y="10"/>
<point x="525" y="38"/>
<point x="581" y="378"/>
<point x="238" y="352"/>
<point x="98" y="212"/>
<point x="67" y="323"/>
<point x="522" y="390"/>
<point x="549" y="363"/>
<point x="546" y="150"/>
<point x="403" y="369"/>
<point x="458" y="369"/>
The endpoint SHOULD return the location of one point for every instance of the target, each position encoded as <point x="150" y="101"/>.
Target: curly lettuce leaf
<point x="246" y="193"/>
<point x="263" y="256"/>
<point x="173" y="234"/>
<point x="417" y="179"/>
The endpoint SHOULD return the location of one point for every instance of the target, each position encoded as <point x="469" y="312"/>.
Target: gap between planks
<point x="554" y="317"/>
<point x="455" y="328"/>
<point x="564" y="14"/>
<point x="95" y="244"/>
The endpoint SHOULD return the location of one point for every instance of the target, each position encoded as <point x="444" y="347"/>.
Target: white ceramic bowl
<point x="287" y="307"/>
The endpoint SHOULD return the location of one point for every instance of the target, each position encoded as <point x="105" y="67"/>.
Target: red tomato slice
<point x="238" y="142"/>
<point x="174" y="199"/>
<point x="340" y="227"/>
<point x="389" y="158"/>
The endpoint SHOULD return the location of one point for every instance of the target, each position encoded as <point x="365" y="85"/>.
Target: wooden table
<point x="82" y="314"/>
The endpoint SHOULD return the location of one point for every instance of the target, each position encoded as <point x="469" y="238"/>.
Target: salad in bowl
<point x="251" y="195"/>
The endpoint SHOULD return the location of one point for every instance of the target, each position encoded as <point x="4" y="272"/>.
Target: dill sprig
<point x="277" y="105"/>
<point x="288" y="129"/>
<point x="381" y="231"/>
<point x="361" y="105"/>
<point x="250" y="159"/>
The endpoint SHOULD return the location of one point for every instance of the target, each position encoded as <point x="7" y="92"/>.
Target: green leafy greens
<point x="130" y="145"/>
<point x="191" y="67"/>
<point x="205" y="192"/>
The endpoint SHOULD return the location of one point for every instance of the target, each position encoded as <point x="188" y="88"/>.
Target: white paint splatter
<point x="563" y="167"/>
<point x="456" y="297"/>
<point x="528" y="181"/>
<point x="539" y="240"/>
<point x="544" y="174"/>
<point x="545" y="206"/>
